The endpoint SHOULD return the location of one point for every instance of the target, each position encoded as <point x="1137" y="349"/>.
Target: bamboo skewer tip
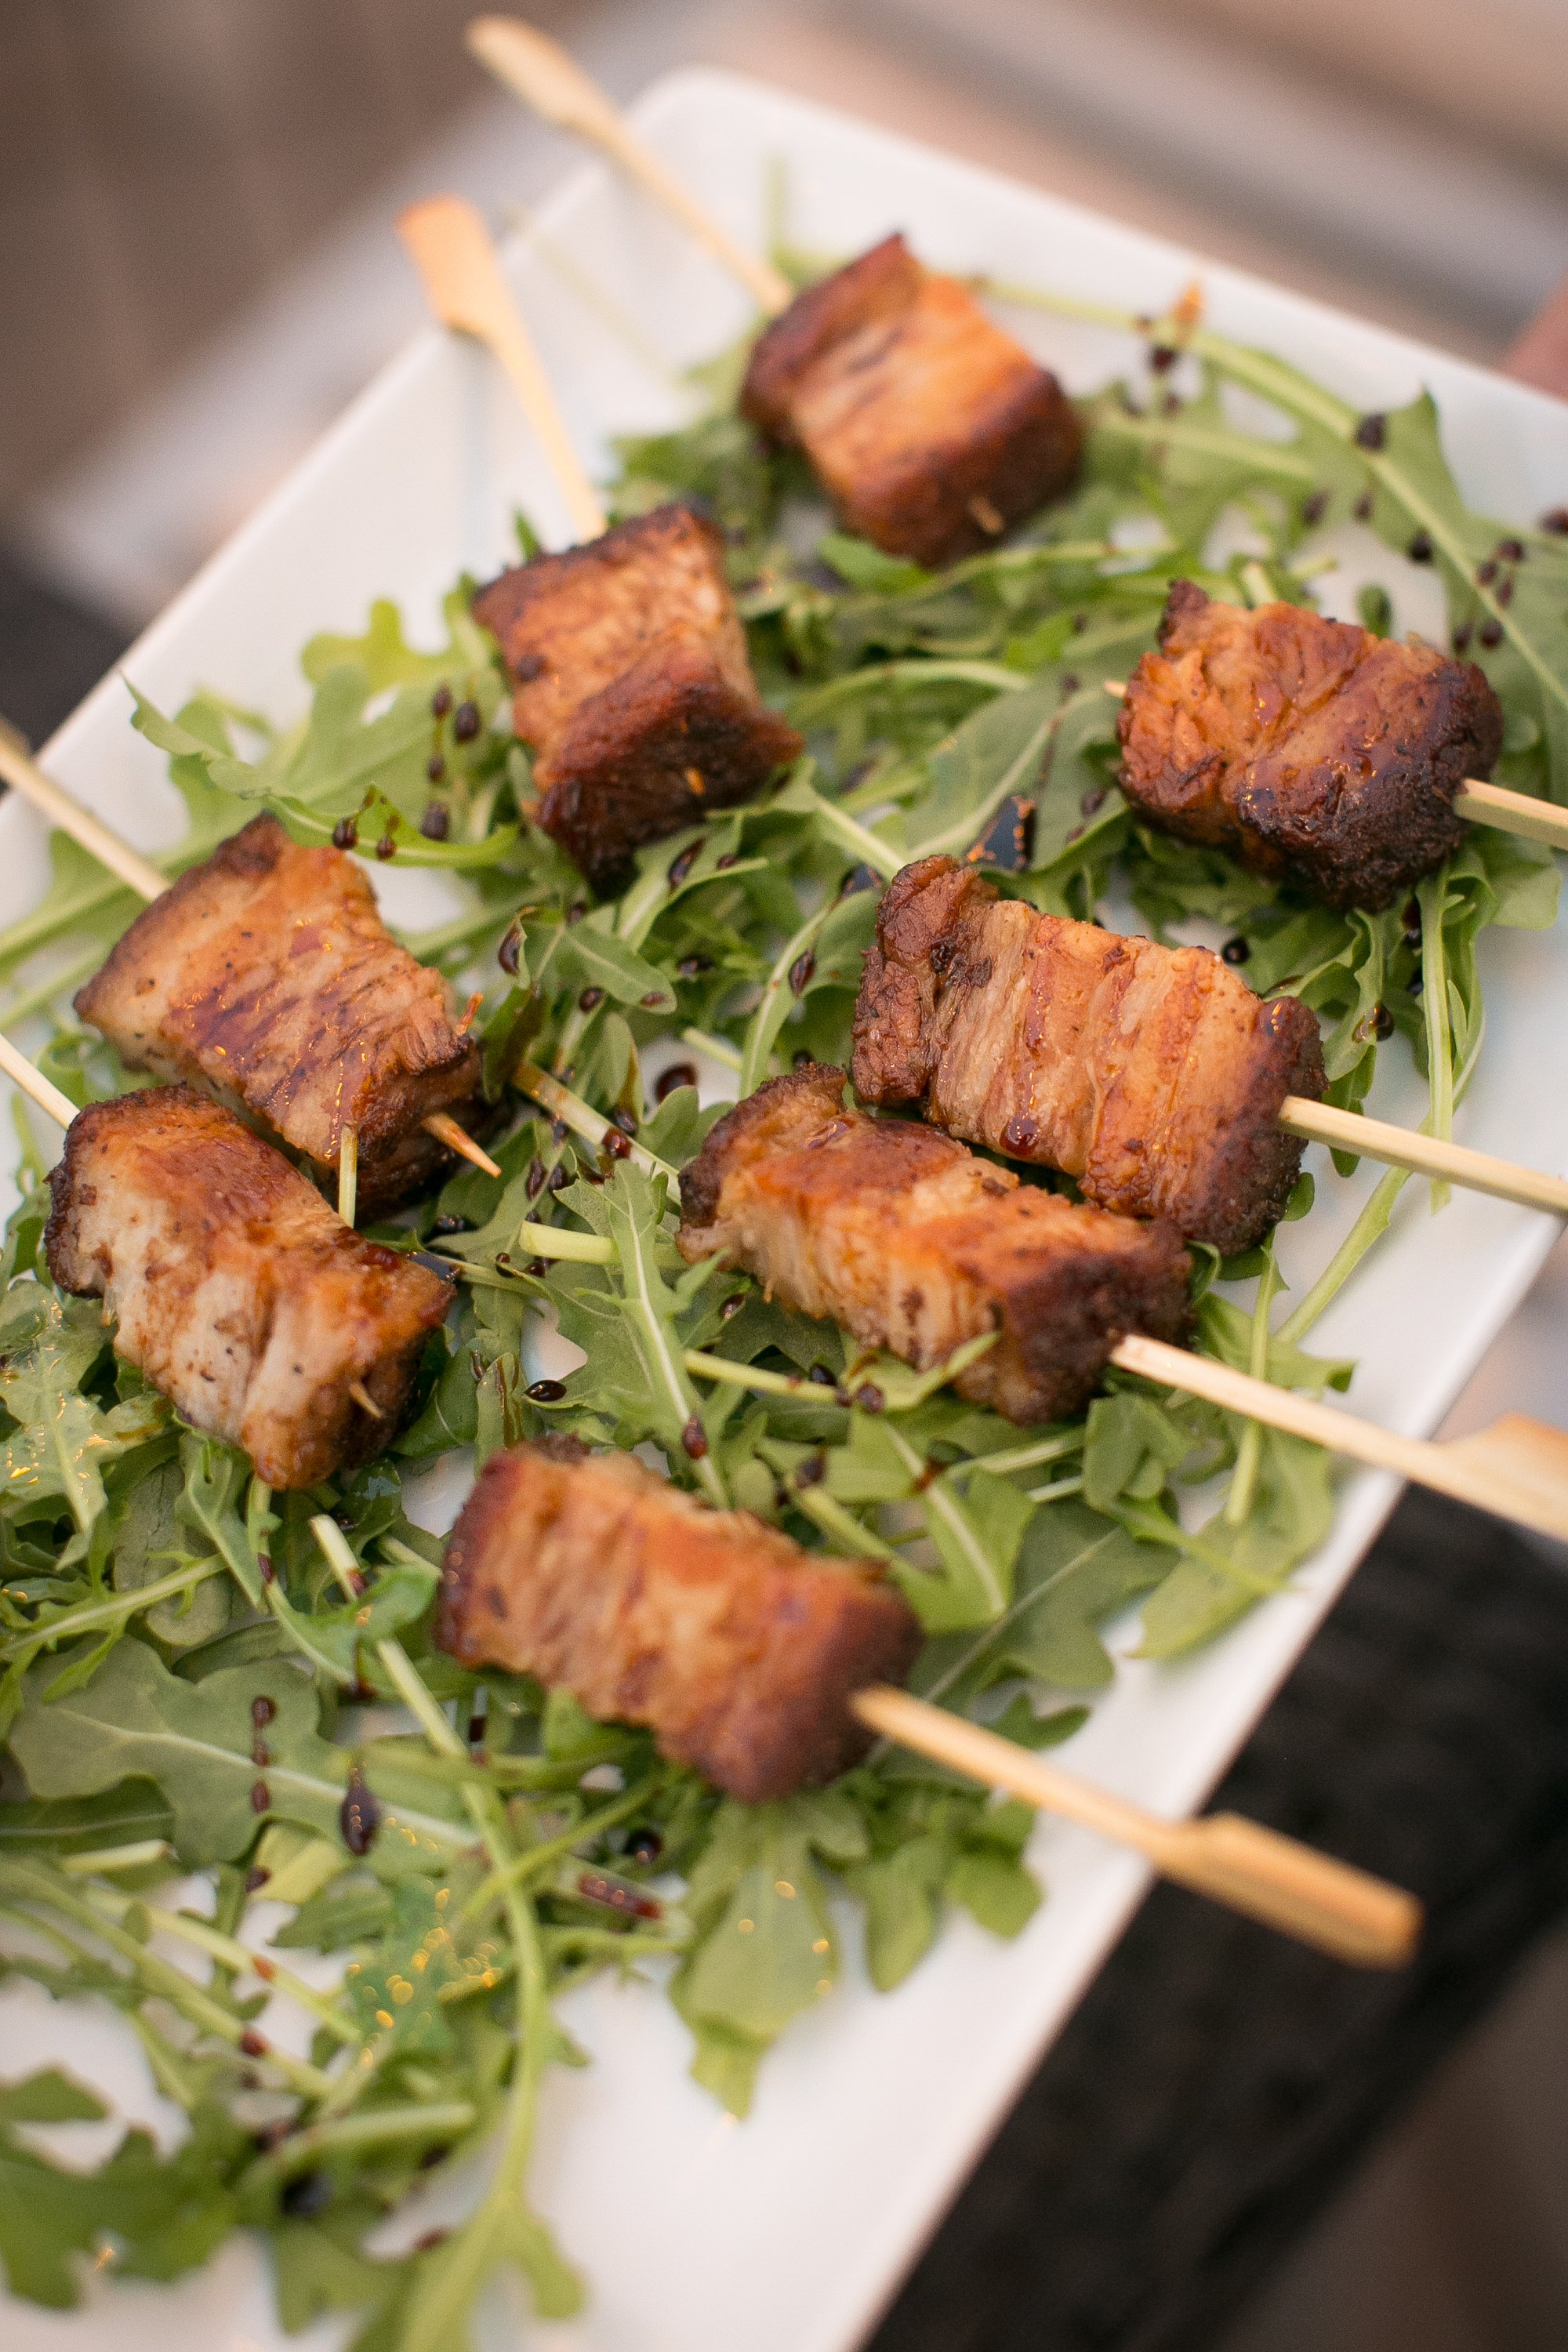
<point x="457" y="1139"/>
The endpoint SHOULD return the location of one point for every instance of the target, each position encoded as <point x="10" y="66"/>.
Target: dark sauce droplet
<point x="254" y="2044"/>
<point x="441" y="701"/>
<point x="466" y="721"/>
<point x="590" y="1000"/>
<point x="260" y="1797"/>
<point x="680" y="867"/>
<point x="617" y="1145"/>
<point x="669" y="1082"/>
<point x="547" y="1391"/>
<point x="255" y="1878"/>
<point x="262" y="1711"/>
<point x="437" y="821"/>
<point x="694" y="1440"/>
<point x="386" y="847"/>
<point x="800" y="973"/>
<point x="731" y="1306"/>
<point x="358" y="1815"/>
<point x="509" y="955"/>
<point x="435" y="767"/>
<point x="533" y="1183"/>
<point x="812" y="1471"/>
<point x="1235" y="951"/>
<point x="1372" y="432"/>
<point x="644" y="1845"/>
<point x="869" y="1397"/>
<point x="1420" y="549"/>
<point x="1382" y="1022"/>
<point x="1491" y="632"/>
<point x="303" y="2199"/>
<point x="624" y="1118"/>
<point x="692" y="967"/>
<point x="345" y="833"/>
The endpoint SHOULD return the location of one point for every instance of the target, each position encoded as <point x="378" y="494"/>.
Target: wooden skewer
<point x="1491" y="804"/>
<point x="1236" y="1862"/>
<point x="27" y="778"/>
<point x="348" y="1174"/>
<point x="1424" y="1155"/>
<point x="452" y="250"/>
<point x="445" y="1129"/>
<point x="24" y="776"/>
<point x="1518" y="1468"/>
<point x="365" y="1402"/>
<point x="549" y="79"/>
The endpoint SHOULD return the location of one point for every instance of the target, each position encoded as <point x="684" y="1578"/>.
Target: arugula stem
<point x="560" y="1242"/>
<point x="383" y="2127"/>
<point x="90" y="1614"/>
<point x="717" y="1049"/>
<point x="1249" y="1447"/>
<point x="232" y="1954"/>
<point x="938" y="1501"/>
<point x="812" y="701"/>
<point x="158" y="1975"/>
<point x="1055" y="1490"/>
<point x="535" y="1860"/>
<point x="766" y="1021"/>
<point x="583" y="1119"/>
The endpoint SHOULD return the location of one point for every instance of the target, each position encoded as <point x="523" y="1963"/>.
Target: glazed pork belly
<point x="235" y="1287"/>
<point x="632" y="683"/>
<point x="1151" y="1075"/>
<point x="267" y="974"/>
<point x="737" y="1649"/>
<point x="1310" y="748"/>
<point x="931" y="430"/>
<point x="913" y="1244"/>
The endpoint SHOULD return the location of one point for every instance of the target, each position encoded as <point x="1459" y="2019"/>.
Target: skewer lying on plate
<point x="266" y="973"/>
<point x="769" y="1668"/>
<point x="263" y="1318"/>
<point x="1153" y="1076"/>
<point x="931" y="430"/>
<point x="629" y="662"/>
<point x="1311" y="749"/>
<point x="913" y="1243"/>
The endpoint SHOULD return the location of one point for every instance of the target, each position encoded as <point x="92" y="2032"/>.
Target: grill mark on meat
<point x="1310" y="748"/>
<point x="236" y="1289"/>
<point x="268" y="974"/>
<point x="737" y="1649"/>
<point x="931" y="429"/>
<point x="632" y="681"/>
<point x="1153" y="1076"/>
<point x="911" y="1243"/>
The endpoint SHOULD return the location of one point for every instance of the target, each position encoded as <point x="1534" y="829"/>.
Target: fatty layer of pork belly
<point x="268" y="974"/>
<point x="1310" y="748"/>
<point x="1153" y="1076"/>
<point x="932" y="431"/>
<point x="737" y="1649"/>
<point x="234" y="1287"/>
<point x="632" y="683"/>
<point x="913" y="1243"/>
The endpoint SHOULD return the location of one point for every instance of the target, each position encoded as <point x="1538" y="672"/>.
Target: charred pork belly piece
<point x="915" y="1246"/>
<point x="737" y="1649"/>
<point x="632" y="683"/>
<point x="1310" y="748"/>
<point x="237" y="1289"/>
<point x="268" y="974"/>
<point x="1152" y="1074"/>
<point x="931" y="430"/>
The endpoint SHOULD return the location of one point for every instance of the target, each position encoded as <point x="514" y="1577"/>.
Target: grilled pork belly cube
<point x="236" y="1289"/>
<point x="932" y="431"/>
<point x="915" y="1246"/>
<point x="634" y="686"/>
<point x="737" y="1649"/>
<point x="1309" y="749"/>
<point x="1152" y="1074"/>
<point x="267" y="974"/>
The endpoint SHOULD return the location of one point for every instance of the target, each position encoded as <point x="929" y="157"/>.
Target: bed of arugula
<point x="194" y="1679"/>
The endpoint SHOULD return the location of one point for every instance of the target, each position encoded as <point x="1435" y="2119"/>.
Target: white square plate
<point x="787" y="2233"/>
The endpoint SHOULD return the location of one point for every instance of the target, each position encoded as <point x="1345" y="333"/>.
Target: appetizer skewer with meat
<point x="628" y="663"/>
<point x="262" y="1317"/>
<point x="931" y="430"/>
<point x="1152" y="1076"/>
<point x="770" y="1668"/>
<point x="267" y="974"/>
<point x="912" y="1243"/>
<point x="1312" y="750"/>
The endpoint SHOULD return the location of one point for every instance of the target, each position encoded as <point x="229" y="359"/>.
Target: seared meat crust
<point x="1152" y="1074"/>
<point x="913" y="1244"/>
<point x="736" y="1648"/>
<point x="1307" y="747"/>
<point x="237" y="1289"/>
<point x="932" y="430"/>
<point x="633" y="683"/>
<point x="268" y="974"/>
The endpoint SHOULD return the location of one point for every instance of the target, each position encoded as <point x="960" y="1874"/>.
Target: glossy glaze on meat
<point x="1310" y="748"/>
<point x="913" y="1244"/>
<point x="633" y="685"/>
<point x="931" y="430"/>
<point x="268" y="974"/>
<point x="732" y="1645"/>
<point x="1153" y="1076"/>
<point x="235" y="1287"/>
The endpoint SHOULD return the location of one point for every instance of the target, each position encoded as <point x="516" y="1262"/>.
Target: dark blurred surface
<point x="1219" y="2084"/>
<point x="53" y="647"/>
